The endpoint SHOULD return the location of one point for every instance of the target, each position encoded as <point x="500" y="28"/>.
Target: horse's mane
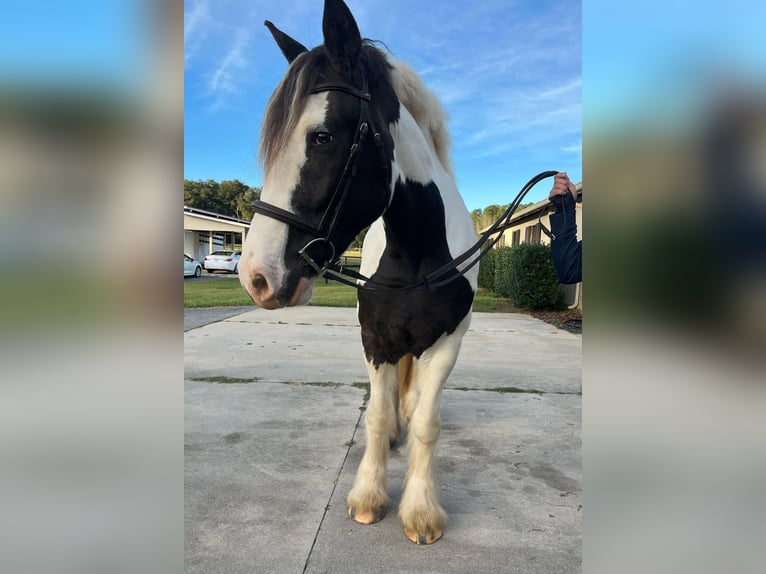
<point x="289" y="100"/>
<point x="425" y="108"/>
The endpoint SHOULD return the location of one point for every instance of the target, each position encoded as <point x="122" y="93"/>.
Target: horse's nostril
<point x="260" y="283"/>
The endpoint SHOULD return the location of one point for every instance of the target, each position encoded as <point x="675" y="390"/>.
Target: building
<point x="205" y="232"/>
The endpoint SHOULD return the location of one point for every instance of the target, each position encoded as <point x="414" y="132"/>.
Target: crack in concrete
<point x="349" y="444"/>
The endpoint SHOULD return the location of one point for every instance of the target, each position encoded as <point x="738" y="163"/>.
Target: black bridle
<point x="329" y="222"/>
<point x="330" y="266"/>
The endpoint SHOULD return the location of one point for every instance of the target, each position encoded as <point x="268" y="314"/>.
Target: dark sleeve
<point x="565" y="249"/>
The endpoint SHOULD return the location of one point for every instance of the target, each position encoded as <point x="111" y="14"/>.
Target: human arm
<point x="565" y="249"/>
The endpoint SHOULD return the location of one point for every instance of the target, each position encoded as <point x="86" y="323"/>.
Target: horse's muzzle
<point x="302" y="293"/>
<point x="262" y="291"/>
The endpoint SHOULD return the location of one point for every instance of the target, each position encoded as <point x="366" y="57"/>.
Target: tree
<point x="491" y="214"/>
<point x="359" y="239"/>
<point x="244" y="203"/>
<point x="202" y="194"/>
<point x="229" y="190"/>
<point x="230" y="197"/>
<point x="476" y="217"/>
<point x="483" y="218"/>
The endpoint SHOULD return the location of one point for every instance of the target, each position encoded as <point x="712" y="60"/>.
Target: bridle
<point x="330" y="261"/>
<point x="329" y="222"/>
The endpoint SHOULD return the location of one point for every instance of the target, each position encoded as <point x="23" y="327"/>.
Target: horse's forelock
<point x="285" y="107"/>
<point x="288" y="101"/>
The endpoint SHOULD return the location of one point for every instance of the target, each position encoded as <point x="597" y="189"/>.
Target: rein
<point x="311" y="252"/>
<point x="449" y="271"/>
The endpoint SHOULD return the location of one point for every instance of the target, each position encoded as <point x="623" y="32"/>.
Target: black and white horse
<point x="351" y="138"/>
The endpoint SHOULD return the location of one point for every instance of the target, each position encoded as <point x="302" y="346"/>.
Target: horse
<point x="351" y="138"/>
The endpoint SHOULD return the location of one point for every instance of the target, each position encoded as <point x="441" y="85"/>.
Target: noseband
<point x="320" y="252"/>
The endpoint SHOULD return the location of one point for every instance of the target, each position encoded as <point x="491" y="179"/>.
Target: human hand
<point x="561" y="185"/>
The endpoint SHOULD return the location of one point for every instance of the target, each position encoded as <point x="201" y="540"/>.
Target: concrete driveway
<point x="275" y="431"/>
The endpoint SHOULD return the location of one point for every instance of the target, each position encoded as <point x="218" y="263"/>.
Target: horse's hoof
<point x="367" y="517"/>
<point x="427" y="538"/>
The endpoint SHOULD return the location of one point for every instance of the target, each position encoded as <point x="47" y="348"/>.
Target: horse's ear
<point x="290" y="48"/>
<point x="341" y="36"/>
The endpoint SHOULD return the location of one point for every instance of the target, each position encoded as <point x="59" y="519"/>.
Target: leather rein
<point x="330" y="266"/>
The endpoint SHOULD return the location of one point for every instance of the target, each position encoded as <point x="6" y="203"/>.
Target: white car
<point x="222" y="261"/>
<point x="191" y="267"/>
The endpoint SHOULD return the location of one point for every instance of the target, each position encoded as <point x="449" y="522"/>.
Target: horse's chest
<point x="394" y="324"/>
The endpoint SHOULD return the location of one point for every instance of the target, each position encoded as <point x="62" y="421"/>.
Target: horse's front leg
<point x="423" y="517"/>
<point x="368" y="498"/>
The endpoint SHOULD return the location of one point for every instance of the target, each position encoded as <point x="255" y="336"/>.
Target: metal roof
<point x="216" y="216"/>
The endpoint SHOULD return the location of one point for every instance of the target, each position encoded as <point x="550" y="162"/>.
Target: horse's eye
<point x="321" y="138"/>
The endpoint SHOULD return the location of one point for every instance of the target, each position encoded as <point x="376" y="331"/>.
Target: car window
<point x="221" y="253"/>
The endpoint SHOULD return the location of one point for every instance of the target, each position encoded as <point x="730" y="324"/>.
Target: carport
<point x="206" y="231"/>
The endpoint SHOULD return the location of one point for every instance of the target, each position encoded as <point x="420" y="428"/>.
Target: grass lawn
<point x="217" y="293"/>
<point x="489" y="302"/>
<point x="223" y="292"/>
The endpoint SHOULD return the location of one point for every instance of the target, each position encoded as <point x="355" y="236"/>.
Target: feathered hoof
<point x="429" y="537"/>
<point x="367" y="516"/>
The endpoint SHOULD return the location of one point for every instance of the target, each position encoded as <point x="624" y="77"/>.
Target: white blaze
<point x="264" y="248"/>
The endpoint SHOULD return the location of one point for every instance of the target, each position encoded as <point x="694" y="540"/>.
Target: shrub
<point x="487" y="270"/>
<point x="525" y="273"/>
<point x="502" y="271"/>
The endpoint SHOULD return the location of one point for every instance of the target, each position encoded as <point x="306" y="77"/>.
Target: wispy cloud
<point x="562" y="90"/>
<point x="514" y="86"/>
<point x="194" y="25"/>
<point x="574" y="148"/>
<point x="519" y="117"/>
<point x="222" y="76"/>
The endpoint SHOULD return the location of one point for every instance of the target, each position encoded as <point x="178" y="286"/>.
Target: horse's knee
<point x="376" y="422"/>
<point x="380" y="418"/>
<point x="425" y="431"/>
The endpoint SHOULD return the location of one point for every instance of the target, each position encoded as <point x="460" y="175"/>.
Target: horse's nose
<point x="263" y="293"/>
<point x="259" y="287"/>
<point x="260" y="284"/>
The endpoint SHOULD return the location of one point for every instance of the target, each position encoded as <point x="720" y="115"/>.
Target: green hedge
<point x="525" y="274"/>
<point x="503" y="271"/>
<point x="487" y="270"/>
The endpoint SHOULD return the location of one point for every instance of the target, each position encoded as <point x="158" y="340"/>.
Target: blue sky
<point x="507" y="72"/>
